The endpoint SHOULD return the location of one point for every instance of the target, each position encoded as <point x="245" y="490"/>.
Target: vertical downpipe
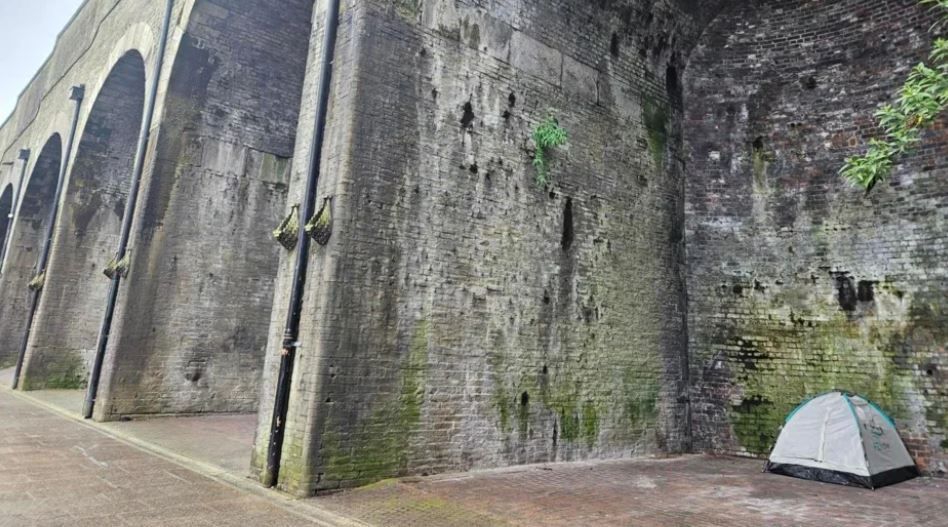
<point x="24" y="158"/>
<point x="77" y="94"/>
<point x="291" y="331"/>
<point x="137" y="169"/>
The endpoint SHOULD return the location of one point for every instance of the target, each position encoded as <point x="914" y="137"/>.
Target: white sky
<point x="28" y="30"/>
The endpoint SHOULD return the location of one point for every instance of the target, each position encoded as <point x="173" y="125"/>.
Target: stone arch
<point x="26" y="239"/>
<point x="190" y="328"/>
<point x="87" y="232"/>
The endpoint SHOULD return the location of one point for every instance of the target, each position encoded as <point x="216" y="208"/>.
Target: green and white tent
<point x="841" y="438"/>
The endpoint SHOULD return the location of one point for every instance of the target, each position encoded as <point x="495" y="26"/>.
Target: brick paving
<point x="685" y="492"/>
<point x="58" y="472"/>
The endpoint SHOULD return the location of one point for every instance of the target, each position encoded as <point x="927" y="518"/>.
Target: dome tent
<point x="842" y="438"/>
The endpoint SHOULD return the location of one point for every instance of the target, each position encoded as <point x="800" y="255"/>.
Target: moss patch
<point x="380" y="446"/>
<point x="655" y="117"/>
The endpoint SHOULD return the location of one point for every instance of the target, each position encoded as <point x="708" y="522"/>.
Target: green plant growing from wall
<point x="547" y="136"/>
<point x="921" y="100"/>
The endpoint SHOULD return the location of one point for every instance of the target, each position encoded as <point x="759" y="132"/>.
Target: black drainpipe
<point x="76" y="94"/>
<point x="292" y="330"/>
<point x="137" y="170"/>
<point x="24" y="157"/>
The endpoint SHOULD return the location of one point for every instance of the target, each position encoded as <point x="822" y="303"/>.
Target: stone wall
<point x="464" y="316"/>
<point x="66" y="327"/>
<point x="190" y="331"/>
<point x="797" y="282"/>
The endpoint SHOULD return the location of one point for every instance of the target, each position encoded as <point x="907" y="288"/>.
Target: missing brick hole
<point x="865" y="291"/>
<point x="524" y="399"/>
<point x="467" y="119"/>
<point x="512" y="99"/>
<point x="846" y="293"/>
<point x="545" y="370"/>
<point x="614" y="45"/>
<point x="568" y="233"/>
<point x="672" y="86"/>
<point x="759" y="144"/>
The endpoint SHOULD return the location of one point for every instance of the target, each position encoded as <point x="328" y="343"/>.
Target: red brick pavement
<point x="693" y="491"/>
<point x="57" y="472"/>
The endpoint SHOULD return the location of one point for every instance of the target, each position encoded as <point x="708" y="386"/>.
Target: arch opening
<point x="85" y="238"/>
<point x="26" y="239"/>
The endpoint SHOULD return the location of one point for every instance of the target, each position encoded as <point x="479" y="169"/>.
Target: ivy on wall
<point x="547" y="136"/>
<point x="922" y="98"/>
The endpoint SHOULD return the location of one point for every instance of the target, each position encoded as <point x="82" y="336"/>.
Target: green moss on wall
<point x="655" y="117"/>
<point x="779" y="361"/>
<point x="380" y="446"/>
<point x="67" y="372"/>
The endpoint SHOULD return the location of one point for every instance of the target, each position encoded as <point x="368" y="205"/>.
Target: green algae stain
<point x="778" y="363"/>
<point x="590" y="430"/>
<point x="409" y="9"/>
<point x="381" y="446"/>
<point x="655" y="117"/>
<point x="68" y="372"/>
<point x="641" y="391"/>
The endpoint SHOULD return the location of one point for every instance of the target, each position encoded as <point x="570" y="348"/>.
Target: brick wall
<point x="66" y="327"/>
<point x="797" y="282"/>
<point x="190" y="331"/>
<point x="26" y="241"/>
<point x="463" y="316"/>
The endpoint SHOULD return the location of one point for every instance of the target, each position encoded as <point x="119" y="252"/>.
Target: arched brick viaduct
<point x="682" y="282"/>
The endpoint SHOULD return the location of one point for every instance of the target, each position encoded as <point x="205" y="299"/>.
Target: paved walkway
<point x="57" y="471"/>
<point x="694" y="491"/>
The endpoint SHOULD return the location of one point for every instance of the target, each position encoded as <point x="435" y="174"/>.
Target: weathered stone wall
<point x="463" y="316"/>
<point x="66" y="327"/>
<point x="26" y="241"/>
<point x="797" y="282"/>
<point x="190" y="331"/>
<point x="99" y="34"/>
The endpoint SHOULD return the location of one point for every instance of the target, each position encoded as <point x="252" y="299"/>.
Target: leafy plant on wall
<point x="922" y="98"/>
<point x="547" y="136"/>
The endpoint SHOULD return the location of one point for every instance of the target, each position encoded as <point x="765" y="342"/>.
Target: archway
<point x="70" y="312"/>
<point x="191" y="321"/>
<point x="26" y="241"/>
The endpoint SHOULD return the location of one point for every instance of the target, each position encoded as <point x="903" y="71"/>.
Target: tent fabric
<point x="841" y="438"/>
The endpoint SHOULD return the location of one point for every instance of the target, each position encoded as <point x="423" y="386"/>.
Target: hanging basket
<point x="37" y="282"/>
<point x="320" y="226"/>
<point x="117" y="267"/>
<point x="287" y="234"/>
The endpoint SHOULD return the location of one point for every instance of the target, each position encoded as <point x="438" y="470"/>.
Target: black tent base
<point x="876" y="481"/>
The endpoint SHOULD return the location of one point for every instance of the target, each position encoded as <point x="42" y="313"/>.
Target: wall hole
<point x="846" y="293"/>
<point x="865" y="291"/>
<point x="524" y="399"/>
<point x="568" y="233"/>
<point x="467" y="119"/>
